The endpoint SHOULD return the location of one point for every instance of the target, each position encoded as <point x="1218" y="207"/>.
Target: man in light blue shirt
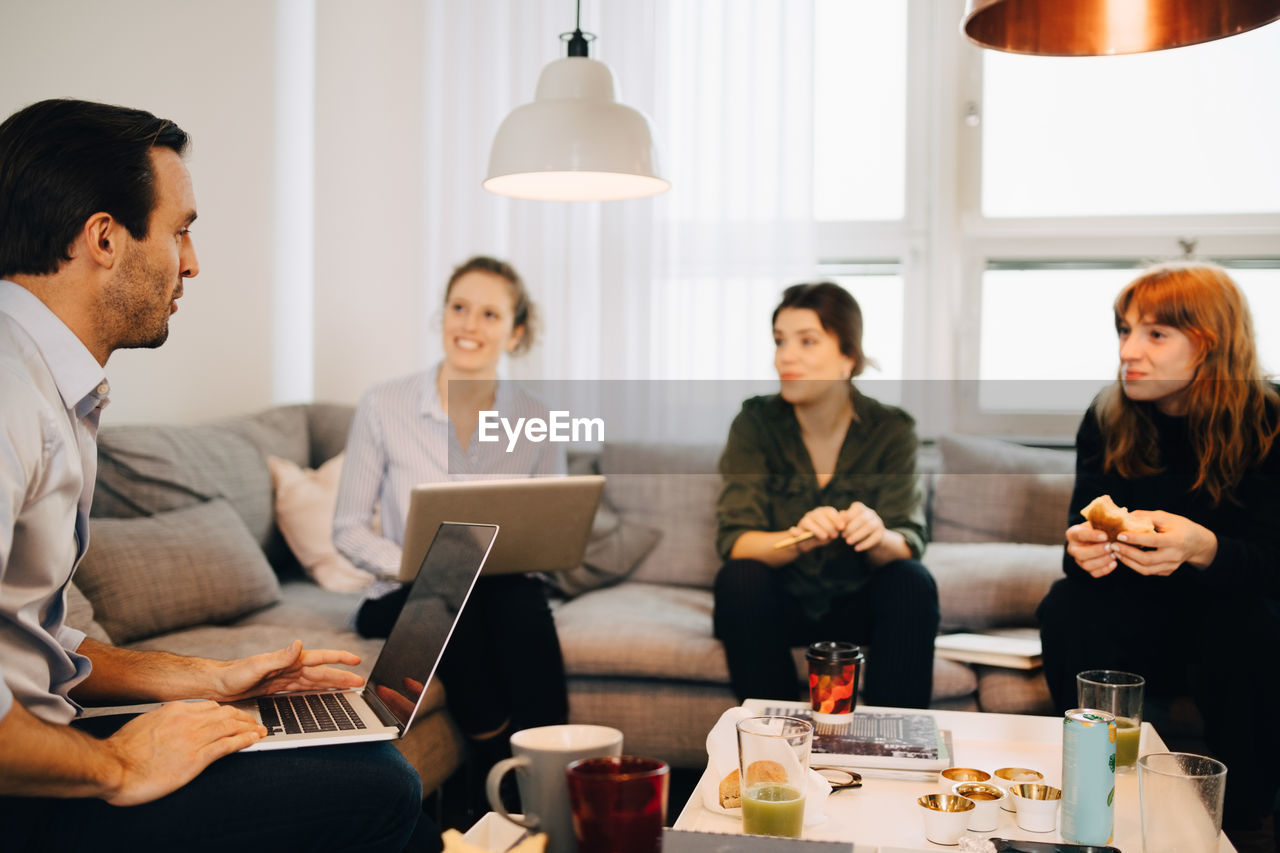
<point x="95" y="210"/>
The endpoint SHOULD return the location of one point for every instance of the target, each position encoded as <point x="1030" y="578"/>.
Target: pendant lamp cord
<point x="577" y="39"/>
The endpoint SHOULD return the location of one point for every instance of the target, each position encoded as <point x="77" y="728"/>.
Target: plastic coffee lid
<point x="833" y="651"/>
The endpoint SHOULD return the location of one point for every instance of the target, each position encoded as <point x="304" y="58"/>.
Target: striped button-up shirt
<point x="51" y="393"/>
<point x="400" y="438"/>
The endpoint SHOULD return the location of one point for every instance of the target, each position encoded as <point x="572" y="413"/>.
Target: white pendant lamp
<point x="575" y="142"/>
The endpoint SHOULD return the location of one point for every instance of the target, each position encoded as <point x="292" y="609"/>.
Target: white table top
<point x="882" y="816"/>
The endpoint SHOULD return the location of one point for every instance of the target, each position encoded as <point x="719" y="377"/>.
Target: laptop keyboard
<point x="312" y="712"/>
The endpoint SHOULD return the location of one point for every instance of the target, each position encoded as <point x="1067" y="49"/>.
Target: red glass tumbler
<point x="835" y="669"/>
<point x="619" y="803"/>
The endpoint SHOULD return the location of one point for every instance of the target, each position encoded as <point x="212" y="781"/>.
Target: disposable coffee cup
<point x="835" y="668"/>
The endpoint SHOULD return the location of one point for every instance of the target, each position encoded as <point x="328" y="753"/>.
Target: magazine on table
<point x="1014" y="652"/>
<point x="902" y="743"/>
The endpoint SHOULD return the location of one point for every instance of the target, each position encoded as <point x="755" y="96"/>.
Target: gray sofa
<point x="185" y="556"/>
<point x="641" y="655"/>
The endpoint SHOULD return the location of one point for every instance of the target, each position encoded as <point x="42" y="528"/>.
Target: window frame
<point x="944" y="243"/>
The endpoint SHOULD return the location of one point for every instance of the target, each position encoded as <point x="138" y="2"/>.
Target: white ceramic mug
<point x="539" y="757"/>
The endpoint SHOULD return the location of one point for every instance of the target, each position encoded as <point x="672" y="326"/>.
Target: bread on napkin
<point x="757" y="771"/>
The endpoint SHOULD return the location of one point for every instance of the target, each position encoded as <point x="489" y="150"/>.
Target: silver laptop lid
<point x="546" y="520"/>
<point x="412" y="653"/>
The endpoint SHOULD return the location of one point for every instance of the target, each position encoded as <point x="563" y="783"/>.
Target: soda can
<point x="1088" y="776"/>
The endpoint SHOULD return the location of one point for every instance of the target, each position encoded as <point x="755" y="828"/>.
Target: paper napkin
<point x="722" y="759"/>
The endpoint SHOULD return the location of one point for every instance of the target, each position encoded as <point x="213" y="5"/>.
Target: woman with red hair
<point x="1186" y="438"/>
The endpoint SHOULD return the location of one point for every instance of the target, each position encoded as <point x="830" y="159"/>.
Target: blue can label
<point x="1088" y="776"/>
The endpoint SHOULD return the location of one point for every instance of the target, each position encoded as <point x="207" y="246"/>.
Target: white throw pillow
<point x="305" y="499"/>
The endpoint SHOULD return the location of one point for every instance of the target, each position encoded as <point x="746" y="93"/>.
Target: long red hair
<point x="1231" y="410"/>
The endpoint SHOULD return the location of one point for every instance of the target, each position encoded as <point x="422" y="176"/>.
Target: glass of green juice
<point x="773" y="768"/>
<point x="1118" y="693"/>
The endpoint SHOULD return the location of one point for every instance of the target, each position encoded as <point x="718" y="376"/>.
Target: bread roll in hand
<point x="1103" y="514"/>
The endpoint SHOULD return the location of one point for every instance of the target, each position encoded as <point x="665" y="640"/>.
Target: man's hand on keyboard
<point x="160" y="751"/>
<point x="291" y="668"/>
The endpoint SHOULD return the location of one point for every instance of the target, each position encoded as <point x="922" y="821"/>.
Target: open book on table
<point x="905" y="744"/>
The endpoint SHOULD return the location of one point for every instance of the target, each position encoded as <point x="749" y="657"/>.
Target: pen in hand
<point x="792" y="540"/>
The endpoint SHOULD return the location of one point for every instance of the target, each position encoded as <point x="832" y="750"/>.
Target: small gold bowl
<point x="945" y="803"/>
<point x="952" y="775"/>
<point x="1034" y="791"/>
<point x="987" y="799"/>
<point x="1007" y="776"/>
<point x="980" y="791"/>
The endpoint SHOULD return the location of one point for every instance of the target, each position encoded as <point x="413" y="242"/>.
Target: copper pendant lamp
<point x="1105" y="27"/>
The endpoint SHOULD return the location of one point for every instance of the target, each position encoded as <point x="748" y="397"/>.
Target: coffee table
<point x="882" y="816"/>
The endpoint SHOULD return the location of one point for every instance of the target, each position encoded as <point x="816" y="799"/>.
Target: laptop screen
<point x="412" y="652"/>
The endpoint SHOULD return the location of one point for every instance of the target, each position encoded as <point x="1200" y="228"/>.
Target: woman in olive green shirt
<point x="823" y="461"/>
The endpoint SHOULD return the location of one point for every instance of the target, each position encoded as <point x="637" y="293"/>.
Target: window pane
<point x="1043" y="327"/>
<point x="881" y="299"/>
<point x="1190" y="130"/>
<point x="860" y="103"/>
<point x="708" y="328"/>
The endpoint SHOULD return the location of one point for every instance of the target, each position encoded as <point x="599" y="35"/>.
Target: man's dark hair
<point x="61" y="161"/>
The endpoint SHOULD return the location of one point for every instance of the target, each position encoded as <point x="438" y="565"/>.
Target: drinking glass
<point x="773" y="768"/>
<point x="1180" y="795"/>
<point x="1118" y="693"/>
<point x="619" y="803"/>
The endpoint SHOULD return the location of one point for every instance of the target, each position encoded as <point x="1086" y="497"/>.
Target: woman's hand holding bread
<point x="1150" y="542"/>
<point x="1175" y="540"/>
<point x="1091" y="549"/>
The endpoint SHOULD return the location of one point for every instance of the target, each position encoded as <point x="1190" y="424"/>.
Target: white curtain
<point x="675" y="287"/>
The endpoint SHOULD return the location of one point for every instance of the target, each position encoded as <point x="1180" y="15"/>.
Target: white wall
<point x="371" y="303"/>
<point x="207" y="66"/>
<point x="212" y="68"/>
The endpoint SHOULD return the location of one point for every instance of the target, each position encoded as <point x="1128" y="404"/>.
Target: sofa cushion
<point x="997" y="491"/>
<point x="1013" y="691"/>
<point x="614" y="550"/>
<point x="190" y="566"/>
<point x="328" y="424"/>
<point x="283" y="431"/>
<point x="985" y="585"/>
<point x="672" y="489"/>
<point x="145" y="470"/>
<point x="641" y="630"/>
<point x="80" y="616"/>
<point x="305" y="499"/>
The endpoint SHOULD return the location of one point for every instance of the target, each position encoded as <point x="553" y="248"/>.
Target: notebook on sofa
<point x="545" y="521"/>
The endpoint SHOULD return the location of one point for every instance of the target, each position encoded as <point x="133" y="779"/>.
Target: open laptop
<point x="390" y="700"/>
<point x="545" y="521"/>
